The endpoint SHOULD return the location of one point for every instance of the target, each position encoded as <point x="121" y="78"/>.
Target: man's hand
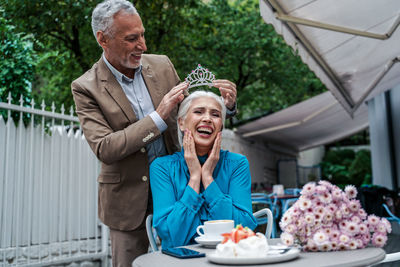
<point x="170" y="100"/>
<point x="228" y="92"/>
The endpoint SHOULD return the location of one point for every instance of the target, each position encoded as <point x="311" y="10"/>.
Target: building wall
<point x="262" y="160"/>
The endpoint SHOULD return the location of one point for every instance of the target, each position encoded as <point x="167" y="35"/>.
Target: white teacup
<point x="214" y="229"/>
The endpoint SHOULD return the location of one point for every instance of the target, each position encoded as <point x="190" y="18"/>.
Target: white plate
<point x="272" y="256"/>
<point x="207" y="242"/>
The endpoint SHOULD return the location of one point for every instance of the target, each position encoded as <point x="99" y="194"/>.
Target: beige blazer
<point x="118" y="138"/>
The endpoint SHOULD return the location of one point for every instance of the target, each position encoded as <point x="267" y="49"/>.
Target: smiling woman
<point x="202" y="182"/>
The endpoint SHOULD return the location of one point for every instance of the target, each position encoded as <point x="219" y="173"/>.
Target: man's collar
<point x="118" y="75"/>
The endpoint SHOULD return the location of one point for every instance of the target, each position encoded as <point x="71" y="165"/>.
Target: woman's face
<point x="204" y="120"/>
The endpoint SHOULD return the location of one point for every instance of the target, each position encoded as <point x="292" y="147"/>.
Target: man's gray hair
<point x="103" y="14"/>
<point x="184" y="107"/>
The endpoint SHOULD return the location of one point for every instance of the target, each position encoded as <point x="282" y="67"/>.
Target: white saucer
<point x="208" y="242"/>
<point x="270" y="257"/>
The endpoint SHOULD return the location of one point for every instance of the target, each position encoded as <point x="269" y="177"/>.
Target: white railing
<point x="48" y="190"/>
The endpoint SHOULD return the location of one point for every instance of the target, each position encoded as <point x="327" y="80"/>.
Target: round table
<point x="358" y="257"/>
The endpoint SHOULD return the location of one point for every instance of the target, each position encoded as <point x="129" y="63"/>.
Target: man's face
<point x="125" y="47"/>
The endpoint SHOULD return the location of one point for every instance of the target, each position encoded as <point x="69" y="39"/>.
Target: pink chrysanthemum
<point x="308" y="189"/>
<point x="327" y="246"/>
<point x="352" y="228"/>
<point x="355" y="219"/>
<point x="343" y="225"/>
<point x="335" y="235"/>
<point x="311" y="246"/>
<point x="291" y="229"/>
<point x="332" y="208"/>
<point x="380" y="228"/>
<point x="320" y="238"/>
<point x="342" y="246"/>
<point x="318" y="203"/>
<point x="287" y="239"/>
<point x="379" y="239"/>
<point x="373" y="220"/>
<point x="360" y="244"/>
<point x="320" y="210"/>
<point x="309" y="218"/>
<point x="334" y="245"/>
<point x="325" y="198"/>
<point x="286" y="219"/>
<point x="338" y="215"/>
<point x="387" y="224"/>
<point x="304" y="203"/>
<point x="327" y="184"/>
<point x="326" y="218"/>
<point x="344" y="238"/>
<point x="353" y="244"/>
<point x="320" y="189"/>
<point x="351" y="191"/>
<point x="299" y="223"/>
<point x="363" y="215"/>
<point x="337" y="194"/>
<point x="345" y="211"/>
<point x="354" y="205"/>
<point x="363" y="228"/>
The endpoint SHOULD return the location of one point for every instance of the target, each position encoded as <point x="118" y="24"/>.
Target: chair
<point x="288" y="204"/>
<point x="259" y="215"/>
<point x="272" y="203"/>
<point x="151" y="233"/>
<point x="292" y="191"/>
<point x="391" y="217"/>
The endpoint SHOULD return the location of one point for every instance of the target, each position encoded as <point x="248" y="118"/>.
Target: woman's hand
<point x="211" y="162"/>
<point x="192" y="161"/>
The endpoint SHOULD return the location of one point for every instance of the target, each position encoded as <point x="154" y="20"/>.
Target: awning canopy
<point x="353" y="46"/>
<point x="316" y="121"/>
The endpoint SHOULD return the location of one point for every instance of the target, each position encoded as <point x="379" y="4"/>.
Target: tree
<point x="228" y="37"/>
<point x="16" y="65"/>
<point x="61" y="31"/>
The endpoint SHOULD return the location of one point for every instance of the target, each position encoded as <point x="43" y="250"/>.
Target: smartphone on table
<point x="182" y="253"/>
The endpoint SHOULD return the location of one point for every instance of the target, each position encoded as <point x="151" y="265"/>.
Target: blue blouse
<point x="178" y="209"/>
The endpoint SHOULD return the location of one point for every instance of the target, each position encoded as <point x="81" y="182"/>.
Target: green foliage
<point x="360" y="169"/>
<point x="63" y="42"/>
<point x="344" y="166"/>
<point x="228" y="37"/>
<point x="16" y="65"/>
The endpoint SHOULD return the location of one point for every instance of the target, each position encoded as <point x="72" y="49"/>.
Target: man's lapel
<point x="153" y="85"/>
<point x="112" y="86"/>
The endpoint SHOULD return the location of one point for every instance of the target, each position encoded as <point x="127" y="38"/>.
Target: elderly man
<point x="127" y="105"/>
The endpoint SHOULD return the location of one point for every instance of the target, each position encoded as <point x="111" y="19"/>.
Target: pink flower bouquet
<point x="327" y="219"/>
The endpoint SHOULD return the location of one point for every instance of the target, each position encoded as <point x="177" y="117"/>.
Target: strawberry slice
<point x="227" y="236"/>
<point x="237" y="234"/>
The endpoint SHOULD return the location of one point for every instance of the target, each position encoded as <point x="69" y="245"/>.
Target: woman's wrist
<point x="194" y="182"/>
<point x="207" y="180"/>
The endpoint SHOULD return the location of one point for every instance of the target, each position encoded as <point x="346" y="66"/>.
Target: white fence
<point x="48" y="190"/>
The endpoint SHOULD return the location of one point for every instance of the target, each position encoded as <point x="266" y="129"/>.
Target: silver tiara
<point x="200" y="76"/>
